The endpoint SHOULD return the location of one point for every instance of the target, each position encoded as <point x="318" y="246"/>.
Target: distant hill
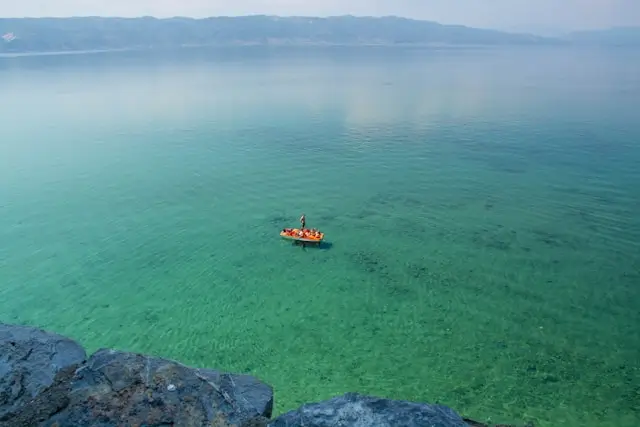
<point x="621" y="36"/>
<point x="95" y="33"/>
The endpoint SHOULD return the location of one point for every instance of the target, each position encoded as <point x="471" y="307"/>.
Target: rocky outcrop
<point x="29" y="360"/>
<point x="46" y="380"/>
<point x="123" y="388"/>
<point x="356" y="410"/>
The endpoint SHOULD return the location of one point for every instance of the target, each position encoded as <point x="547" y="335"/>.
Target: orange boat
<point x="302" y="235"/>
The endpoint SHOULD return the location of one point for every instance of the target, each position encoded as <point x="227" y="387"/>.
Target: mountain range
<point x="101" y="33"/>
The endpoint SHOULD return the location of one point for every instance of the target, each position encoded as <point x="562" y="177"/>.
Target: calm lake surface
<point x="481" y="210"/>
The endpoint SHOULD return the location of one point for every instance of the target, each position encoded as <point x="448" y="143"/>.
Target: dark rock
<point x="30" y="358"/>
<point x="250" y="393"/>
<point x="356" y="410"/>
<point x="46" y="381"/>
<point x="45" y="404"/>
<point x="115" y="388"/>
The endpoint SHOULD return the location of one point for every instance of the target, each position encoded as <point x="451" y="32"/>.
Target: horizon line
<point x="194" y="18"/>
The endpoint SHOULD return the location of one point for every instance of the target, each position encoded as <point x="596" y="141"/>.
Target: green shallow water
<point x="481" y="211"/>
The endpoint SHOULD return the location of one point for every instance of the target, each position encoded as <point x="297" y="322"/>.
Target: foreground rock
<point x="356" y="410"/>
<point x="115" y="388"/>
<point x="29" y="360"/>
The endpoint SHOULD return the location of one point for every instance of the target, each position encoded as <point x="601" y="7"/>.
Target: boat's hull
<point x="301" y="239"/>
<point x="295" y="237"/>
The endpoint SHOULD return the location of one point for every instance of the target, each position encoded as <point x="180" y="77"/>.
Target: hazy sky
<point x="503" y="14"/>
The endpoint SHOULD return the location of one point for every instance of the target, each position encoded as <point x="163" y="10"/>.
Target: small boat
<point x="302" y="235"/>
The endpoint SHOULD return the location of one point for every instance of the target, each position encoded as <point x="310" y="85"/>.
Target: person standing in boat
<point x="303" y="221"/>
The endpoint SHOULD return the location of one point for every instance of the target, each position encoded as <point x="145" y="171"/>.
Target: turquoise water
<point x="481" y="210"/>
